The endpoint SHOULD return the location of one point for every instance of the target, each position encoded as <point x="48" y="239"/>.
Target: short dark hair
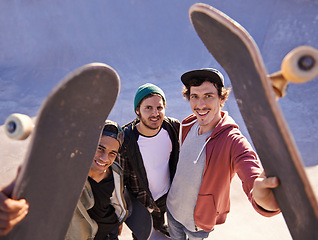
<point x="223" y="92"/>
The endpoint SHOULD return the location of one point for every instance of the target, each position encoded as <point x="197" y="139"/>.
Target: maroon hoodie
<point x="227" y="152"/>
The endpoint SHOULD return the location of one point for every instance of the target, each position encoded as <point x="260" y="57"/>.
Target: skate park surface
<point x="148" y="41"/>
<point x="242" y="222"/>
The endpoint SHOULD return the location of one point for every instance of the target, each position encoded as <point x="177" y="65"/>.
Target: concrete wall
<point x="146" y="41"/>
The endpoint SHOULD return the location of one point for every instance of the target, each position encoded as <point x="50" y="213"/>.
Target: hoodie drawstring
<point x="206" y="142"/>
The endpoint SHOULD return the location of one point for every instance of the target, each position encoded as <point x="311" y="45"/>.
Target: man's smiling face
<point x="105" y="155"/>
<point x="151" y="114"/>
<point x="206" y="105"/>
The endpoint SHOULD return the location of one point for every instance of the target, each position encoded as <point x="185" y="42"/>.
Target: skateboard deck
<point x="62" y="146"/>
<point x="235" y="50"/>
<point x="139" y="219"/>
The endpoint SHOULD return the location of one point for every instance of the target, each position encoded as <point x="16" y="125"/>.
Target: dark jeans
<point x="158" y="217"/>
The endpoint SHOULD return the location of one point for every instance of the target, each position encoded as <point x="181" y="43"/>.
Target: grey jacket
<point x="82" y="227"/>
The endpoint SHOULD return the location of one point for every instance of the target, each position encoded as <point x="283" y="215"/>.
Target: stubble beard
<point x="144" y="122"/>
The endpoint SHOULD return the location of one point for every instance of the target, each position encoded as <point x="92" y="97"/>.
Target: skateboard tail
<point x="237" y="29"/>
<point x="62" y="148"/>
<point x="235" y="50"/>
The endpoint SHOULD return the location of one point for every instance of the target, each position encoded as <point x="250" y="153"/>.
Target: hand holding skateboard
<point x="11" y="211"/>
<point x="263" y="194"/>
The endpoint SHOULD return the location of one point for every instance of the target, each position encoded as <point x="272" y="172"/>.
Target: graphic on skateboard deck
<point x="139" y="219"/>
<point x="62" y="147"/>
<point x="235" y="50"/>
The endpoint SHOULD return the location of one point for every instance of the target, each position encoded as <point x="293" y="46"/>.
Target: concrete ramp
<point x="145" y="41"/>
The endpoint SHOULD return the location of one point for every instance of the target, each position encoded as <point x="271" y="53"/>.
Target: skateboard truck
<point x="18" y="126"/>
<point x="298" y="66"/>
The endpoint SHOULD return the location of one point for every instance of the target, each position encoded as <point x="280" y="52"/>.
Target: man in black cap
<point x="150" y="152"/>
<point x="212" y="151"/>
<point x="101" y="209"/>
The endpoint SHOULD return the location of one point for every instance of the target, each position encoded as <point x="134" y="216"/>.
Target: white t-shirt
<point x="155" y="152"/>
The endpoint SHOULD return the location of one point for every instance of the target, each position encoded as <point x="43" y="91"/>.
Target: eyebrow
<point x="101" y="146"/>
<point x="150" y="105"/>
<point x="204" y="93"/>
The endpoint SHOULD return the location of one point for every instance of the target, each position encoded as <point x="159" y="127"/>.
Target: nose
<point x="104" y="157"/>
<point x="201" y="103"/>
<point x="155" y="112"/>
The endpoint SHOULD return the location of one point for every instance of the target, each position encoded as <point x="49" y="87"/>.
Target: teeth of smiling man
<point x="202" y="114"/>
<point x="100" y="164"/>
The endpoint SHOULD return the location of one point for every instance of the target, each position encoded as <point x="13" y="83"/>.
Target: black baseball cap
<point x="112" y="129"/>
<point x="212" y="74"/>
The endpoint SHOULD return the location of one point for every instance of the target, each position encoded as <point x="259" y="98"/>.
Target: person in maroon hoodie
<point x="212" y="151"/>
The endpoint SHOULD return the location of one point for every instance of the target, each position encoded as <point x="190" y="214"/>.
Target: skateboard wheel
<point x="301" y="64"/>
<point x="18" y="126"/>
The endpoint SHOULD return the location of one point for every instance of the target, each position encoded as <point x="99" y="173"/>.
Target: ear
<point x="137" y="111"/>
<point x="222" y="101"/>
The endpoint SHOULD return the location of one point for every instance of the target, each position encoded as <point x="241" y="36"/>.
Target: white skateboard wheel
<point x="18" y="126"/>
<point x="301" y="64"/>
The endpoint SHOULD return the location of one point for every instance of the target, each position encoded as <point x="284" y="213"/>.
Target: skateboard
<point x="236" y="51"/>
<point x="62" y="146"/>
<point x="139" y="219"/>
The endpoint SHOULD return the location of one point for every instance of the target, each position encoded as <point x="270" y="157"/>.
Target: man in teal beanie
<point x="146" y="89"/>
<point x="150" y="152"/>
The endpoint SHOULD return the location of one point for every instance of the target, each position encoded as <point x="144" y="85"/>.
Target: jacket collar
<point x="225" y="122"/>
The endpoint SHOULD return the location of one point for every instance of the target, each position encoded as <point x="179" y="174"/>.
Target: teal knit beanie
<point x="146" y="89"/>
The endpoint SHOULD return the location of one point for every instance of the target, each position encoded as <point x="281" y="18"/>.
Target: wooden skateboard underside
<point x="237" y="53"/>
<point x="61" y="150"/>
<point x="139" y="220"/>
